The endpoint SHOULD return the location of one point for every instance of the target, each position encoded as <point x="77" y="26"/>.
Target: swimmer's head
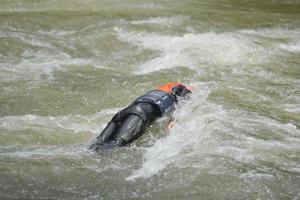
<point x="182" y="90"/>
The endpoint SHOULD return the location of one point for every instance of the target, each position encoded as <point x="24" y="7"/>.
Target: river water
<point x="67" y="66"/>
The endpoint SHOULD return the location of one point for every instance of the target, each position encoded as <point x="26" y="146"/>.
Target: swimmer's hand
<point x="170" y="126"/>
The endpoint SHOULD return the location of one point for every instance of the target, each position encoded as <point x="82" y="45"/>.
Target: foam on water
<point x="35" y="64"/>
<point x="276" y="33"/>
<point x="74" y="123"/>
<point x="47" y="152"/>
<point x="162" y="21"/>
<point x="56" y="33"/>
<point x="292" y="37"/>
<point x="291" y="47"/>
<point x="28" y="39"/>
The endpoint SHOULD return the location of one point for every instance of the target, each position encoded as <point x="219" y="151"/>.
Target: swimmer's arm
<point x="171" y="124"/>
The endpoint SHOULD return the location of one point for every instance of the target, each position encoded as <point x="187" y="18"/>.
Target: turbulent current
<point x="67" y="66"/>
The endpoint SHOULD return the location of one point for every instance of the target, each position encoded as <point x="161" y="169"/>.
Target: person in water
<point x="131" y="122"/>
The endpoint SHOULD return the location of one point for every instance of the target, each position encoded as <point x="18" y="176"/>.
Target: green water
<point x="67" y="66"/>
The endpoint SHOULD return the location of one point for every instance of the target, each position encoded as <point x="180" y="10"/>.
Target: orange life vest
<point x="168" y="87"/>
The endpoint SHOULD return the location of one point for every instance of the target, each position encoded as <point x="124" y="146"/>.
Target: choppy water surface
<point x="67" y="66"/>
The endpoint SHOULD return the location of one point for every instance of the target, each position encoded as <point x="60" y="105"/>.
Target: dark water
<point x="67" y="66"/>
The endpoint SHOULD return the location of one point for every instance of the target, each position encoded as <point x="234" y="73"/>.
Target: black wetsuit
<point x="129" y="123"/>
<point x="126" y="125"/>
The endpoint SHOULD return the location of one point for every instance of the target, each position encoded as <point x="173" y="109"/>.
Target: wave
<point x="194" y="50"/>
<point x="74" y="123"/>
<point x="205" y="49"/>
<point x="205" y="130"/>
<point x="162" y="21"/>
